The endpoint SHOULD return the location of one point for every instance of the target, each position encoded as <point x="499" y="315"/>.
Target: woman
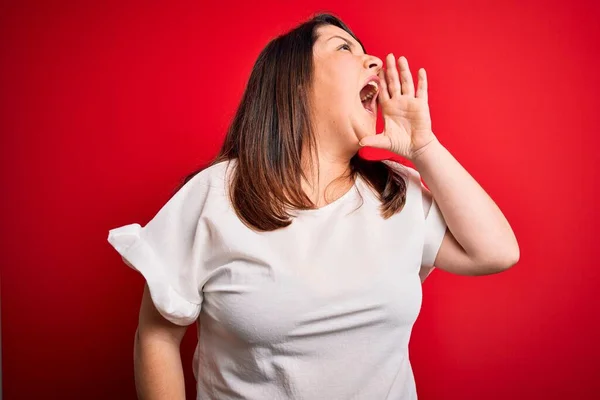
<point x="300" y="262"/>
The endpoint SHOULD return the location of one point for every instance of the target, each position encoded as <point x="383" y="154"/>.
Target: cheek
<point x="334" y="98"/>
<point x="335" y="92"/>
<point x="338" y="81"/>
<point x="342" y="93"/>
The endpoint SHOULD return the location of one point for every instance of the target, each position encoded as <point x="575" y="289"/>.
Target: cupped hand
<point x="405" y="113"/>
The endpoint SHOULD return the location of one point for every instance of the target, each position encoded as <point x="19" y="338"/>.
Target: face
<point x="341" y="71"/>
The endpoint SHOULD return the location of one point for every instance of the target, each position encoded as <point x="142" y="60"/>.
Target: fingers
<point x="422" y="88"/>
<point x="380" y="141"/>
<point x="406" y="80"/>
<point x="393" y="80"/>
<point x="394" y="83"/>
<point x="383" y="93"/>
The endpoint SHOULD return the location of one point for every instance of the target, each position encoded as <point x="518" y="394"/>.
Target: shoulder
<point x="211" y="179"/>
<point x="414" y="185"/>
<point x="213" y="175"/>
<point x="409" y="174"/>
<point x="199" y="189"/>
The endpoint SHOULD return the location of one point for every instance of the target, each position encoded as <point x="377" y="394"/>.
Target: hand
<point x="406" y="117"/>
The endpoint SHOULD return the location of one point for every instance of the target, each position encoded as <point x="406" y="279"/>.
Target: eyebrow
<point x="343" y="38"/>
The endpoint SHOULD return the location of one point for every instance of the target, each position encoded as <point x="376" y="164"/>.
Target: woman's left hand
<point x="406" y="116"/>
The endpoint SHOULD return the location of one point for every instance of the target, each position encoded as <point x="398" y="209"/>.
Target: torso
<point x="321" y="309"/>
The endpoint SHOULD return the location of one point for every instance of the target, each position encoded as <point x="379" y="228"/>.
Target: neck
<point x="329" y="179"/>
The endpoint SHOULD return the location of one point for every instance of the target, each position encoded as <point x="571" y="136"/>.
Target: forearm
<point x="158" y="369"/>
<point x="471" y="215"/>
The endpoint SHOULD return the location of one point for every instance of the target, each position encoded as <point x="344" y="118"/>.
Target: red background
<point x="106" y="105"/>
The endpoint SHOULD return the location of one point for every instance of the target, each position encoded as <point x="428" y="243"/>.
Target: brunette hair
<point x="272" y="126"/>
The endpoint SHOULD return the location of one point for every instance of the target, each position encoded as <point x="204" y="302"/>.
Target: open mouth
<point x="368" y="96"/>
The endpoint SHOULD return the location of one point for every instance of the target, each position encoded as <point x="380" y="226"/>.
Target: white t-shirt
<point x="321" y="309"/>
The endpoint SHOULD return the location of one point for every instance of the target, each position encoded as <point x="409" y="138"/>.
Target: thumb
<point x="378" y="141"/>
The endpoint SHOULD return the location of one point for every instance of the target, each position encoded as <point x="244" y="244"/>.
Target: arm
<point x="479" y="239"/>
<point x="157" y="360"/>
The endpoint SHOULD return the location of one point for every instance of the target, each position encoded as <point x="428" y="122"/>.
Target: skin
<point x="158" y="369"/>
<point x="341" y="69"/>
<point x="482" y="243"/>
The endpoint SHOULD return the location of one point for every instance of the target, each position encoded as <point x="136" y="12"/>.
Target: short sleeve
<point x="433" y="220"/>
<point x="435" y="226"/>
<point x="167" y="251"/>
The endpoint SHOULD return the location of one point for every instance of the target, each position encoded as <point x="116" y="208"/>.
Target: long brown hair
<point x="272" y="126"/>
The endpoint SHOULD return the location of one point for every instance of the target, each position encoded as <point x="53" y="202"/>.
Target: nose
<point x="373" y="62"/>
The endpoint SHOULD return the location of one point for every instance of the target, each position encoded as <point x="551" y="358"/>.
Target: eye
<point x="345" y="46"/>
